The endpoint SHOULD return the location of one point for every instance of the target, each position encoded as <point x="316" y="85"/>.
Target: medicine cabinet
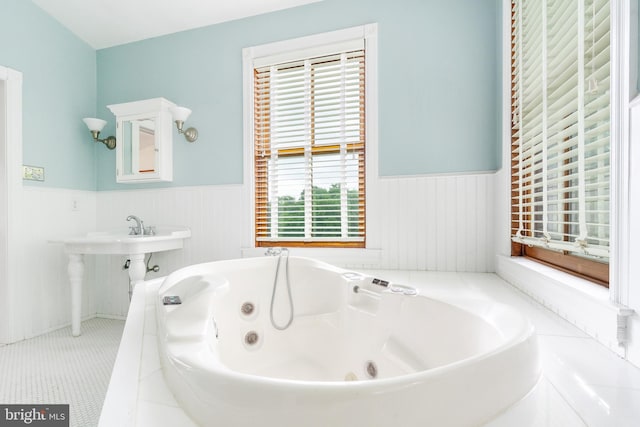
<point x="144" y="131"/>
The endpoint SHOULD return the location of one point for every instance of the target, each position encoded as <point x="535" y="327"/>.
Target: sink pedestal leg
<point x="137" y="269"/>
<point x="75" y="269"/>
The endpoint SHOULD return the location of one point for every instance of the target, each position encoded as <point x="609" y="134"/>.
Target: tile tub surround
<point x="583" y="383"/>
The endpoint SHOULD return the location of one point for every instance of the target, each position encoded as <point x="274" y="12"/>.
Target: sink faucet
<point x="139" y="228"/>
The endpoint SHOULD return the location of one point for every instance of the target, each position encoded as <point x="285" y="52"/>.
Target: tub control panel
<point x="380" y="282"/>
<point x="171" y="300"/>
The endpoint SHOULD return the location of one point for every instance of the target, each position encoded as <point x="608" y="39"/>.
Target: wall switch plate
<point x="33" y="173"/>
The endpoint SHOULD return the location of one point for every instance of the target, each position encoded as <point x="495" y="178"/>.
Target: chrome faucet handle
<point x="150" y="230"/>
<point x="132" y="231"/>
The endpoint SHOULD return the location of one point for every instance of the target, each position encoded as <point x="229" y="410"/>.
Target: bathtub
<point x="359" y="351"/>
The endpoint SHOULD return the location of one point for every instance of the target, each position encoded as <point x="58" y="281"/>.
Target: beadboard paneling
<point x="440" y="223"/>
<point x="213" y="213"/>
<point x="43" y="296"/>
<point x="437" y="223"/>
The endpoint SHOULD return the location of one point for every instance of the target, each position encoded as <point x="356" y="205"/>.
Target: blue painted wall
<point x="439" y="90"/>
<point x="439" y="87"/>
<point x="59" y="88"/>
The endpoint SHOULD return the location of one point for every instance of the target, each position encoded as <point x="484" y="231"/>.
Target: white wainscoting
<point x="418" y="223"/>
<point x="213" y="213"/>
<point x="436" y="223"/>
<point x="42" y="298"/>
<point x="440" y="223"/>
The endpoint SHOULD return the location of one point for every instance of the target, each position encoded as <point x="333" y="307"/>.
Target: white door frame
<point x="11" y="205"/>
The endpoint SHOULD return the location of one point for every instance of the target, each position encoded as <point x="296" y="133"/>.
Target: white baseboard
<point x="579" y="301"/>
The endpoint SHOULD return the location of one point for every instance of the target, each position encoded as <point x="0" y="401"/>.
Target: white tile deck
<point x="583" y="383"/>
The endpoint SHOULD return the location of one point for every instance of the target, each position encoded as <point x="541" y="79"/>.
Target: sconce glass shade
<point x="180" y="113"/>
<point x="94" y="125"/>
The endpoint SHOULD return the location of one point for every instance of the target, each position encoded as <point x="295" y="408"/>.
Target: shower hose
<point x="275" y="285"/>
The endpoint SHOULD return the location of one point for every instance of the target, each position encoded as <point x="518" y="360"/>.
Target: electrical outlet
<point x="75" y="206"/>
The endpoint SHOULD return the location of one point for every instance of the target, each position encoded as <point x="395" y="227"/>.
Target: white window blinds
<point x="309" y="158"/>
<point x="560" y="125"/>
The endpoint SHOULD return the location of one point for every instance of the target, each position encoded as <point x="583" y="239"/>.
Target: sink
<point x="120" y="242"/>
<point x="115" y="242"/>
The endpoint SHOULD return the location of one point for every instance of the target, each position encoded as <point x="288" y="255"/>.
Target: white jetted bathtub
<point x="358" y="352"/>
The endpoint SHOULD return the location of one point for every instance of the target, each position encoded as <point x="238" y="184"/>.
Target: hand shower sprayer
<point x="279" y="253"/>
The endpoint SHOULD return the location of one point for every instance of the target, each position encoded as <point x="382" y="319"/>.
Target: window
<point x="309" y="148"/>
<point x="560" y="134"/>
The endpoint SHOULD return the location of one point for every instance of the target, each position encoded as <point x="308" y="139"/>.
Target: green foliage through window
<point x="326" y="213"/>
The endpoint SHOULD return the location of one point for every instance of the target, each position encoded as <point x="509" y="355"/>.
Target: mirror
<point x="144" y="134"/>
<point x="139" y="146"/>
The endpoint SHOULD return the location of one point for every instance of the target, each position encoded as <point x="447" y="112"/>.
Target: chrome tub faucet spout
<point x="271" y="251"/>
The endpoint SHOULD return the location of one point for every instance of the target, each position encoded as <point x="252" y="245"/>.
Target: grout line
<point x="559" y="393"/>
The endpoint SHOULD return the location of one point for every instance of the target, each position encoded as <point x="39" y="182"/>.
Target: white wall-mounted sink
<point x="115" y="242"/>
<point x="120" y="242"/>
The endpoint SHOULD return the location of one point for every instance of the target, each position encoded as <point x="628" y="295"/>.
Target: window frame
<point x="289" y="50"/>
<point x="590" y="269"/>
<point x="586" y="268"/>
<point x="316" y="149"/>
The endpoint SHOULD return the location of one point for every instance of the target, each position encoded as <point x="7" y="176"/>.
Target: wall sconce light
<point x="180" y="114"/>
<point x="95" y="126"/>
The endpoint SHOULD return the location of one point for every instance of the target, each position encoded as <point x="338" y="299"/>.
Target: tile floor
<point x="58" y="368"/>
